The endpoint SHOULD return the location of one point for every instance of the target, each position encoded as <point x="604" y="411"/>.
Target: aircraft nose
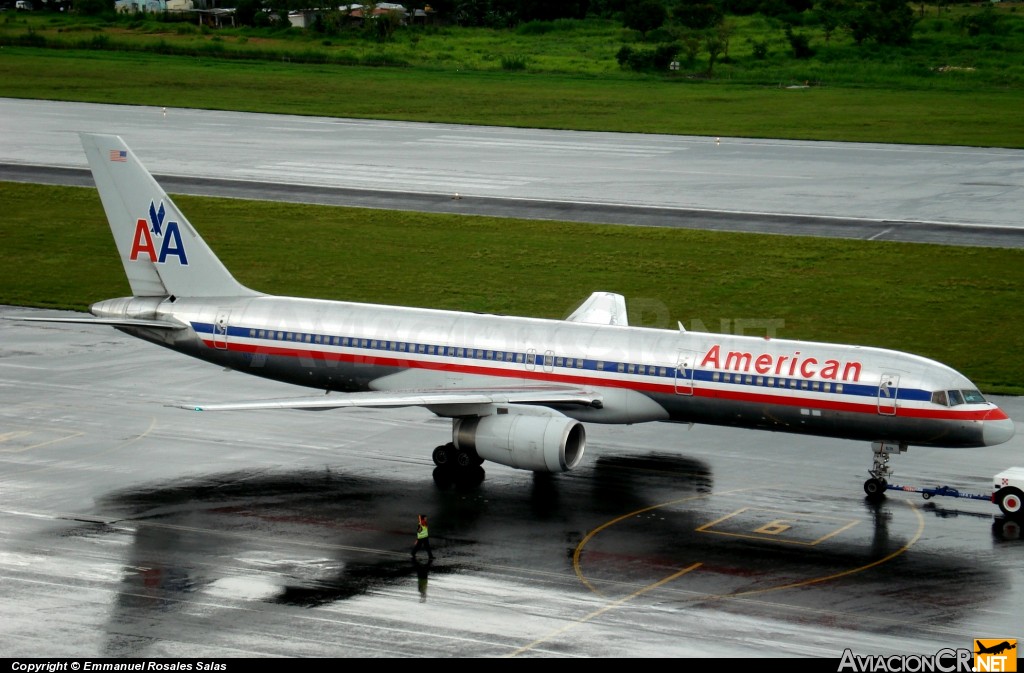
<point x="997" y="430"/>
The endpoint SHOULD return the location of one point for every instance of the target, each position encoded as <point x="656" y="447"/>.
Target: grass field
<point x="957" y="305"/>
<point x="948" y="88"/>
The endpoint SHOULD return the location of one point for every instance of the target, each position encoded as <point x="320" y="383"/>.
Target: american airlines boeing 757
<point x="517" y="390"/>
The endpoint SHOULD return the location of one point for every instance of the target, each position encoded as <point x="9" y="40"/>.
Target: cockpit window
<point x="955" y="398"/>
<point x="939" y="397"/>
<point x="973" y="397"/>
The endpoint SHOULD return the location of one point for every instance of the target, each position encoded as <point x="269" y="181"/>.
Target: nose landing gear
<point x="880" y="471"/>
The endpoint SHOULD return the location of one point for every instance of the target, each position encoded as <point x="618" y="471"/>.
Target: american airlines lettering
<point x="781" y="365"/>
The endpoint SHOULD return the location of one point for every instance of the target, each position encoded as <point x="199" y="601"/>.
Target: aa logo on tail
<point x="148" y="234"/>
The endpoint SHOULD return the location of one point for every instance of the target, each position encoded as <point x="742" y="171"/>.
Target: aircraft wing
<point x="114" y="322"/>
<point x="417" y="398"/>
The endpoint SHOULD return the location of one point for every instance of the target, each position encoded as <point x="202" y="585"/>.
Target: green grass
<point x="947" y="88"/>
<point x="957" y="305"/>
<point x="500" y="98"/>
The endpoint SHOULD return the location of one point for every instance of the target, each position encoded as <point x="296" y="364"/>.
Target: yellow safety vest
<point x="421" y="532"/>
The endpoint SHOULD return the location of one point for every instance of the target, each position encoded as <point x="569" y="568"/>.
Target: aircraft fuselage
<point x="642" y="374"/>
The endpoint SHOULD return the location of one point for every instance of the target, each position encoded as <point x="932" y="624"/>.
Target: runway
<point x="135" y="529"/>
<point x="946" y="195"/>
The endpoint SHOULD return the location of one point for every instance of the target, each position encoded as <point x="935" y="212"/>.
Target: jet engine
<point x="541" y="443"/>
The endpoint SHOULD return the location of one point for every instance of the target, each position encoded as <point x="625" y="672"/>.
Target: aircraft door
<point x="684" y="372"/>
<point x="220" y="329"/>
<point x="888" y="390"/>
<point x="531" y="359"/>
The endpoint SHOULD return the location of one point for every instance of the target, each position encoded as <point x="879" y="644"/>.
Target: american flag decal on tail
<point x="118" y="155"/>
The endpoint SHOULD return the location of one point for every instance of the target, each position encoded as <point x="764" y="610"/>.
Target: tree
<point x="831" y="15"/>
<point x="698" y="14"/>
<point x="92" y="7"/>
<point x="884" y="21"/>
<point x="644" y="15"/>
<point x="800" y="43"/>
<point x="716" y="43"/>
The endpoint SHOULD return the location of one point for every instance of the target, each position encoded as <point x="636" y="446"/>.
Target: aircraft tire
<point x="443" y="455"/>
<point x="1009" y="501"/>
<point x="875" y="488"/>
<point x="464" y="459"/>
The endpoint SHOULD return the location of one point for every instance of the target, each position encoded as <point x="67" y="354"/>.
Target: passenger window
<point x="955" y="398"/>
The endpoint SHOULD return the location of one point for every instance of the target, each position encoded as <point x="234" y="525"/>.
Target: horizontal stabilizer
<point x="115" y="322"/>
<point x="601" y="308"/>
<point x="415" y="398"/>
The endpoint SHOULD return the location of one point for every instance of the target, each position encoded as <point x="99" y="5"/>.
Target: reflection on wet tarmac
<point x="313" y="538"/>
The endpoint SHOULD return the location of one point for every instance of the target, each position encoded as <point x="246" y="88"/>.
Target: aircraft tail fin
<point x="162" y="254"/>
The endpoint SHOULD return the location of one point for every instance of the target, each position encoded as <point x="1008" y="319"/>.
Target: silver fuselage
<point x="642" y="374"/>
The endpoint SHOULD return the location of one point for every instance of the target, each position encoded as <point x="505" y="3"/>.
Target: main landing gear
<point x="449" y="457"/>
<point x="458" y="468"/>
<point x="880" y="471"/>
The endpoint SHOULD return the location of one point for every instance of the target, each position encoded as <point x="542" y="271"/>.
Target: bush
<point x="985" y="22"/>
<point x="513" y="62"/>
<point x="664" y="55"/>
<point x="760" y="49"/>
<point x="535" y="28"/>
<point x="641" y="60"/>
<point x="801" y="44"/>
<point x="622" y="56"/>
<point x="660" y="35"/>
<point x="93" y="7"/>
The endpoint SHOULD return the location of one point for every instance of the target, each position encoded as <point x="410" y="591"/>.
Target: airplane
<point x="518" y="390"/>
<point x="995" y="649"/>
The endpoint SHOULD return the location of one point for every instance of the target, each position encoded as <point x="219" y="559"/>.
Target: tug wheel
<point x="1009" y="501"/>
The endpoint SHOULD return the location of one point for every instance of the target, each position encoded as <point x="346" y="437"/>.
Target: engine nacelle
<point x="547" y="443"/>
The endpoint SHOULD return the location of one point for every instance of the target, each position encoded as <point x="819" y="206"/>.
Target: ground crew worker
<point x="422" y="538"/>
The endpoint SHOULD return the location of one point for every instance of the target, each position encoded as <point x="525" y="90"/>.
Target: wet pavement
<point x="135" y="529"/>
